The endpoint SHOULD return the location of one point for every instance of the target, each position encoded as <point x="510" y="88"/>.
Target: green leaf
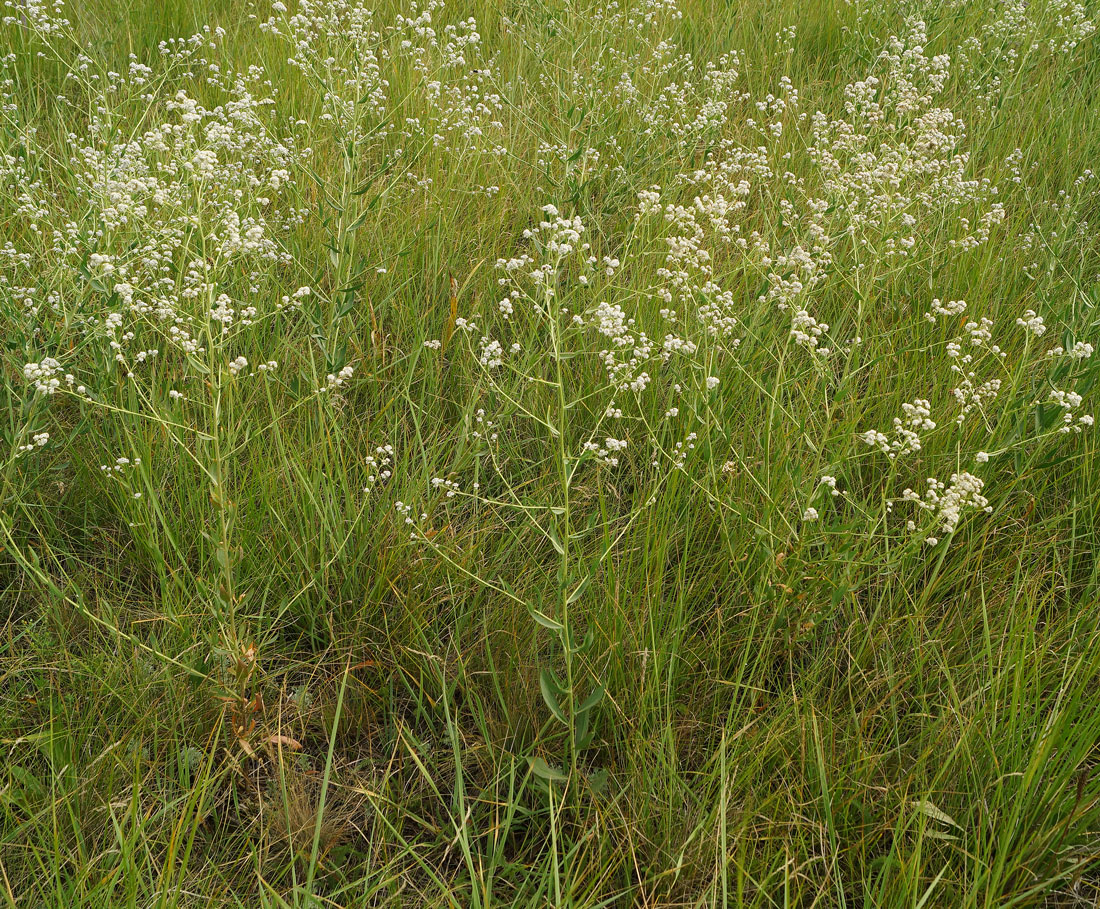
<point x="348" y="305"/>
<point x="553" y="534"/>
<point x="544" y="620"/>
<point x="546" y="684"/>
<point x="925" y="807"/>
<point x="939" y="835"/>
<point x="592" y="700"/>
<point x="29" y="782"/>
<point x="578" y="591"/>
<point x="585" y="731"/>
<point x="585" y="644"/>
<point x="544" y="771"/>
<point x="598" y="781"/>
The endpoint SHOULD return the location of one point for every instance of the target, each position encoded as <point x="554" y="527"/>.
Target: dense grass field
<point x="549" y="453"/>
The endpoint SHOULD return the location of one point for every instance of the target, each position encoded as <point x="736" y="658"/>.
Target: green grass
<point x="231" y="673"/>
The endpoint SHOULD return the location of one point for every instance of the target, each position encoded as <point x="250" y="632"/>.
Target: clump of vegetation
<point x="558" y="453"/>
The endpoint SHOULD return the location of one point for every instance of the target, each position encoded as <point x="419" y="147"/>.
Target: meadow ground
<point x="549" y="453"/>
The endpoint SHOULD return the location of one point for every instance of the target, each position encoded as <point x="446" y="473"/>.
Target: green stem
<point x="554" y="311"/>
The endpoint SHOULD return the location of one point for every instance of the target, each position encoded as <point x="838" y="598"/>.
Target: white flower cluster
<point x="336" y="381"/>
<point x="492" y="354"/>
<point x="484" y="428"/>
<point x="972" y="393"/>
<point x="1069" y="401"/>
<point x="406" y="512"/>
<point x="449" y="488"/>
<point x="950" y="308"/>
<point x="380" y="466"/>
<point x="1081" y="350"/>
<point x="807" y="331"/>
<point x="608" y="452"/>
<point x="906" y="438"/>
<point x="44" y="375"/>
<point x="38" y="440"/>
<point x="946" y="502"/>
<point x="352" y="58"/>
<point x="1032" y="323"/>
<point x="1020" y="36"/>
